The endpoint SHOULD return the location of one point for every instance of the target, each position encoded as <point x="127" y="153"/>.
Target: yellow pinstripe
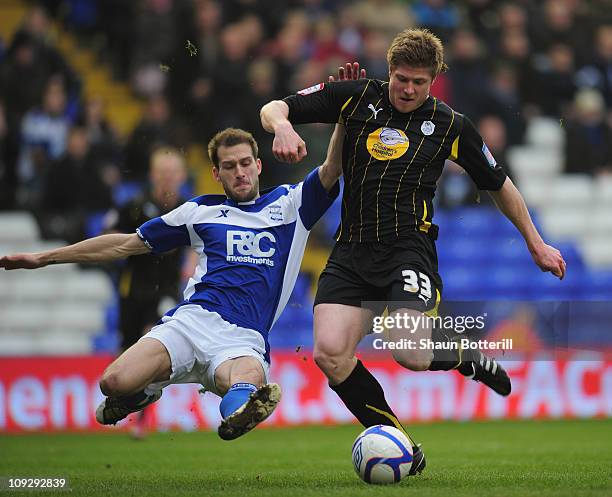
<point x="355" y="149"/>
<point x="393" y="419"/>
<point x="428" y="224"/>
<point x="380" y="183"/>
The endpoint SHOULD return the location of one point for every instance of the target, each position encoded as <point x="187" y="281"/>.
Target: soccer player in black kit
<point x="398" y="138"/>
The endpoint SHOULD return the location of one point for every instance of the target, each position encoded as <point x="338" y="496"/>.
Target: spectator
<point x="468" y="73"/>
<point x="515" y="50"/>
<point x="438" y="15"/>
<point x="350" y="37"/>
<point x="147" y="284"/>
<point x="144" y="281"/>
<point x="559" y="24"/>
<point x="155" y="128"/>
<point x="191" y="76"/>
<point x="494" y="134"/>
<point x="154" y="38"/>
<point x="385" y="16"/>
<point x="73" y="188"/>
<point x="271" y="13"/>
<point x="117" y="20"/>
<point x="102" y="137"/>
<point x="43" y="137"/>
<point x="481" y="15"/>
<point x="37" y="28"/>
<point x="375" y="54"/>
<point x="21" y="64"/>
<point x="262" y="81"/>
<point x="290" y="49"/>
<point x="325" y="41"/>
<point x="82" y="16"/>
<point x="598" y="72"/>
<point x="228" y="78"/>
<point x="554" y="86"/>
<point x="588" y="143"/>
<point x="512" y="17"/>
<point x="455" y="187"/>
<point x="504" y="99"/>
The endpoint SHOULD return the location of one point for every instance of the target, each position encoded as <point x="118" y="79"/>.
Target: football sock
<point x="454" y="358"/>
<point x="236" y="396"/>
<point x="365" y="398"/>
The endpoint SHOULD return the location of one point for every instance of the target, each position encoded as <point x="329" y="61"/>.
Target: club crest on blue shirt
<point x="487" y="153"/>
<point x="427" y="128"/>
<point x="275" y="212"/>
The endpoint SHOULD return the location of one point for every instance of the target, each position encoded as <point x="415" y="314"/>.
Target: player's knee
<point x="415" y="362"/>
<point x="112" y="384"/>
<point x="328" y="358"/>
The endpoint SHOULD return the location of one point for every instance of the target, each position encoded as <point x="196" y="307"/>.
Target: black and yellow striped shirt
<point x="391" y="160"/>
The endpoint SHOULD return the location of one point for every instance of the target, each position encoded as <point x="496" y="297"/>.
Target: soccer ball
<point x="382" y="454"/>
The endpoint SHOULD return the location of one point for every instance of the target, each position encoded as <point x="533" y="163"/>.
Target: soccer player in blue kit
<point x="250" y="246"/>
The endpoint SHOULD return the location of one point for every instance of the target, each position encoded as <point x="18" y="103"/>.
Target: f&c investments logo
<point x="251" y="247"/>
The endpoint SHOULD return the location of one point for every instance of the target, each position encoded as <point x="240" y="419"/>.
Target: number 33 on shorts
<point x="417" y="283"/>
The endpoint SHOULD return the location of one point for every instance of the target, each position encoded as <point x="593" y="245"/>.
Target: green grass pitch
<point x="505" y="459"/>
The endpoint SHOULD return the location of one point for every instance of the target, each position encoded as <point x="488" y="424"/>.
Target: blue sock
<point x="237" y="395"/>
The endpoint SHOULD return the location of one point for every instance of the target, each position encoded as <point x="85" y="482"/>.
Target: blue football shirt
<point x="250" y="252"/>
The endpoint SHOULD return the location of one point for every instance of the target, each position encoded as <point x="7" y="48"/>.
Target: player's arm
<point x="99" y="249"/>
<point x="511" y="203"/>
<point x="319" y="103"/>
<point x="331" y="170"/>
<point x="471" y="153"/>
<point x="287" y="146"/>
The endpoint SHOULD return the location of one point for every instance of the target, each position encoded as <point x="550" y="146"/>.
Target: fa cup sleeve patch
<point x="312" y="89"/>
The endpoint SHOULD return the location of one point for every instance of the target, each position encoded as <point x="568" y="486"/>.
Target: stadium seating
<point x="54" y="310"/>
<point x="18" y="228"/>
<point x="603" y="191"/>
<point x="545" y="132"/>
<point x="531" y="162"/>
<point x="572" y="207"/>
<point x="482" y="256"/>
<point x="571" y="189"/>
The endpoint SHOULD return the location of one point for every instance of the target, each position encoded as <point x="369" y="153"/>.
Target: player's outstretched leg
<point x="364" y="397"/>
<point x="124" y="382"/>
<point x="338" y="330"/>
<point x="113" y="409"/>
<point x="488" y="371"/>
<point x="470" y="363"/>
<point x="240" y="417"/>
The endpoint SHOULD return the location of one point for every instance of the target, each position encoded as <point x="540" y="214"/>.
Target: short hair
<point x="228" y="138"/>
<point x="164" y="150"/>
<point x="417" y="48"/>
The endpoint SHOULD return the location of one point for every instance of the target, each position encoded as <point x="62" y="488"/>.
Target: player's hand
<point x="549" y="259"/>
<point x="349" y="71"/>
<point x="21" y="261"/>
<point x="288" y="146"/>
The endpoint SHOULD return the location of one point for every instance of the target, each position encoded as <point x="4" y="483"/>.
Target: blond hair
<point x="417" y="48"/>
<point x="228" y="138"/>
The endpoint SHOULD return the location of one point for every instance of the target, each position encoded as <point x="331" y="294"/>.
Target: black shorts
<point x="376" y="275"/>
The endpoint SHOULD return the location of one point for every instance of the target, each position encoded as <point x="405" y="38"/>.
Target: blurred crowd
<point x="203" y="65"/>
